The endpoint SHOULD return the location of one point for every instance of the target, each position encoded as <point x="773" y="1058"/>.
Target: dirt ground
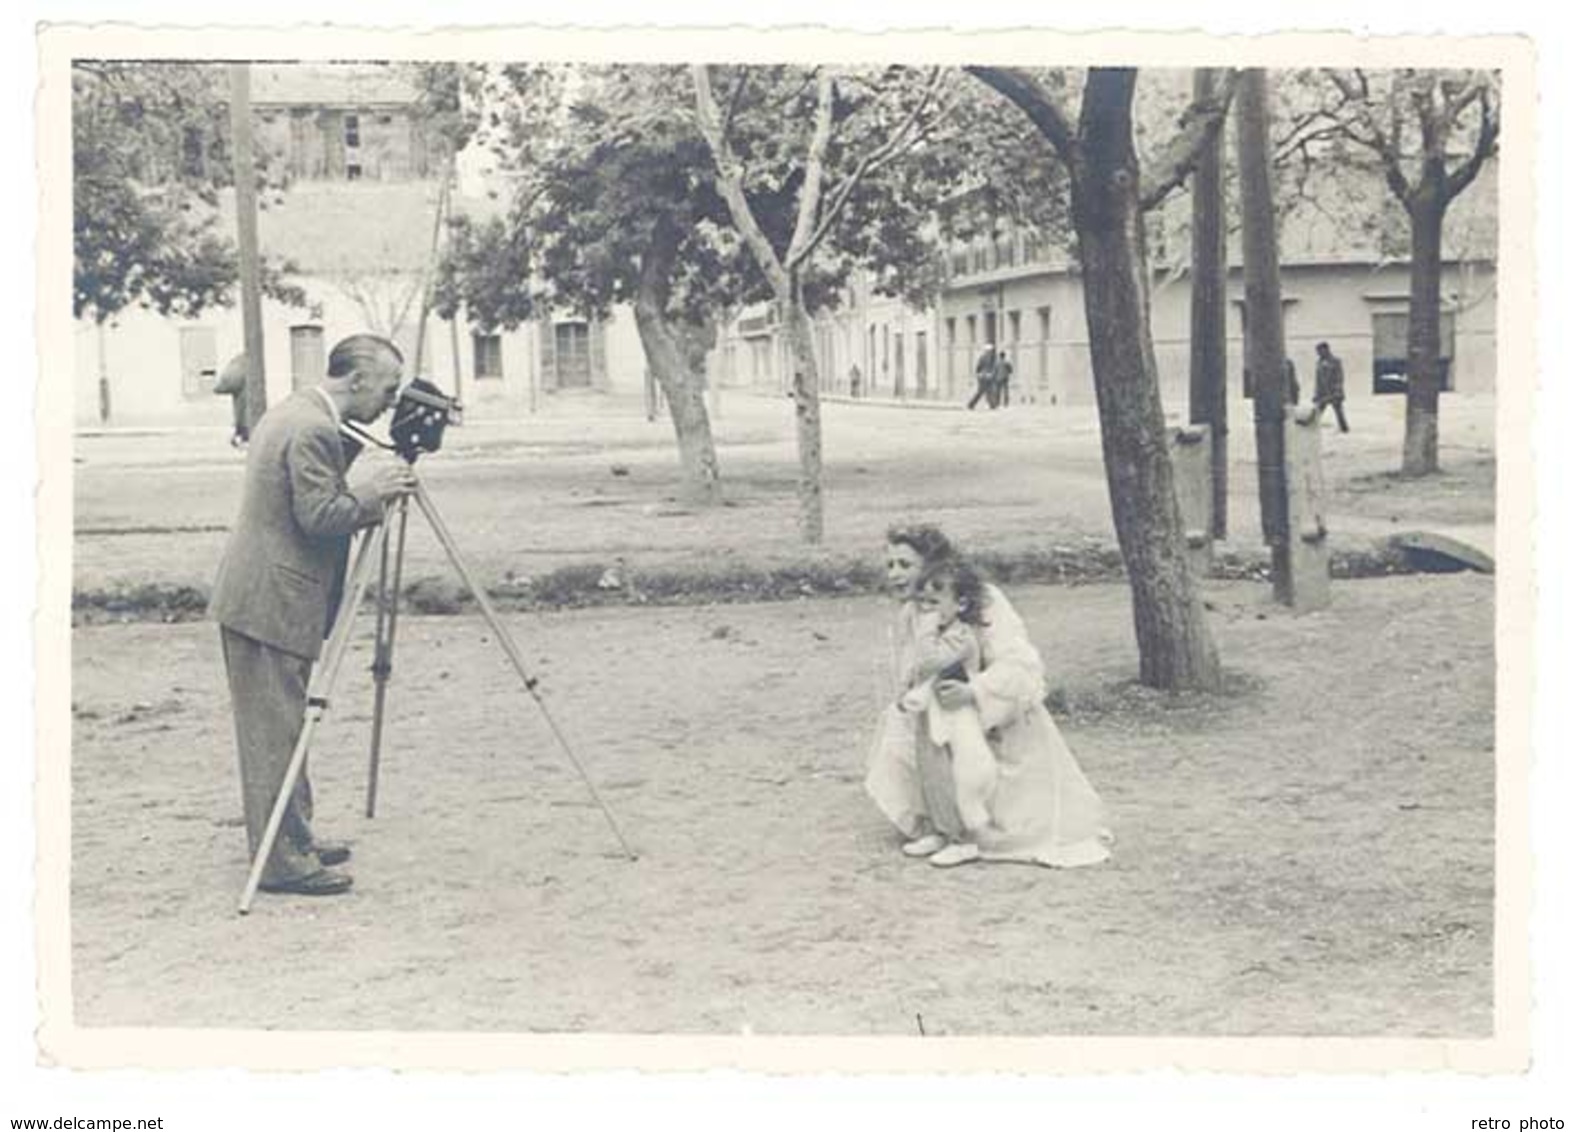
<point x="1311" y="855"/>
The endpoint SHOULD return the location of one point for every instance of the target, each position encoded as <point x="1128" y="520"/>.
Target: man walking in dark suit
<point x="276" y="589"/>
<point x="1330" y="385"/>
<point x="984" y="372"/>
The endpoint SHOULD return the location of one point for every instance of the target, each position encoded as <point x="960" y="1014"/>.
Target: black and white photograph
<point x="713" y="539"/>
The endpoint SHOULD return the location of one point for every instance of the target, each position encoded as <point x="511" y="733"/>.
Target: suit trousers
<point x="268" y="697"/>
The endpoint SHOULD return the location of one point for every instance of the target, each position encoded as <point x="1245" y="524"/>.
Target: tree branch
<point x="1386" y="146"/>
<point x="1486" y="147"/>
<point x="730" y="183"/>
<point x="1200" y="125"/>
<point x="1029" y="95"/>
<point x="733" y="100"/>
<point x="895" y="146"/>
<point x="814" y="172"/>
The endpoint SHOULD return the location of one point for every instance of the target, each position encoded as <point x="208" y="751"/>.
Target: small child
<point x="950" y="594"/>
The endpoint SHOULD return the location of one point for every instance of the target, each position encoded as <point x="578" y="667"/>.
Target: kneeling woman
<point x="1040" y="807"/>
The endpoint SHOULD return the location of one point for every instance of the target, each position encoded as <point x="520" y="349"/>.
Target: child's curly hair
<point x="965" y="581"/>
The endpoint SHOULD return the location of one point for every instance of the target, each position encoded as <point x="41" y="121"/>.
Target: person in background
<point x="984" y="371"/>
<point x="232" y="384"/>
<point x="1003" y="380"/>
<point x="1329" y="387"/>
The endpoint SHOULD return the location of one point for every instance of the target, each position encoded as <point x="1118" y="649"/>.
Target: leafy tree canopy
<point x="150" y="145"/>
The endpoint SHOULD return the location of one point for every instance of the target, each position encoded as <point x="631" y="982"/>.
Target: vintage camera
<point x="420" y="416"/>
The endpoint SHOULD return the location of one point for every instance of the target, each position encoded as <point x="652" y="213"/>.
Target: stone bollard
<point x="1306" y="497"/>
<point x="1189" y="456"/>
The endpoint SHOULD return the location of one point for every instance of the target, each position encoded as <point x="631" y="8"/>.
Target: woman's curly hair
<point x="927" y="541"/>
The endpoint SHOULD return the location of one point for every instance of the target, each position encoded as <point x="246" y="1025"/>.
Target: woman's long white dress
<point x="1044" y="810"/>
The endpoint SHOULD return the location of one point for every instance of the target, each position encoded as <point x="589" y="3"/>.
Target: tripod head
<point x="421" y="414"/>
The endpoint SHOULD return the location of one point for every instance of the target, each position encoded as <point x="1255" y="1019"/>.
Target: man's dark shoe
<point x="324" y="882"/>
<point x="331" y="852"/>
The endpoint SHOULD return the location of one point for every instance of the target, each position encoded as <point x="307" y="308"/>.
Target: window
<point x="572" y="341"/>
<point x="949" y="368"/>
<point x="921" y="363"/>
<point x="899" y="385"/>
<point x="385" y="119"/>
<point x="352" y="172"/>
<point x="352" y="131"/>
<point x="1391" y="333"/>
<point x="488" y="356"/>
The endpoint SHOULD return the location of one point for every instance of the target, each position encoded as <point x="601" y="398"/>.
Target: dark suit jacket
<point x="277" y="580"/>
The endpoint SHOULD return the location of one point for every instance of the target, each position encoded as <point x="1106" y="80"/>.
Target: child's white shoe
<point x="924" y="846"/>
<point x="957" y="853"/>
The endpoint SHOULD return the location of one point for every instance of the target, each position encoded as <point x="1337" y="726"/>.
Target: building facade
<point x="1033" y="310"/>
<point x="356" y="222"/>
<point x="870" y="346"/>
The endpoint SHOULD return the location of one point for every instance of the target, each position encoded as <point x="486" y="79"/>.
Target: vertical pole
<point x="1209" y="398"/>
<point x="245" y="173"/>
<point x="1265" y="325"/>
<point x="103" y="373"/>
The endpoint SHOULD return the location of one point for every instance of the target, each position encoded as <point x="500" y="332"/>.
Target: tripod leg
<point x="316" y="704"/>
<point x="383" y="660"/>
<point x="510" y="649"/>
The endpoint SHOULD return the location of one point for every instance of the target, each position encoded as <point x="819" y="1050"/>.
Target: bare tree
<point x="1431" y="133"/>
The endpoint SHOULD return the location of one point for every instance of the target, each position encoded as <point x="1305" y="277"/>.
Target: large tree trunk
<point x="1175" y="647"/>
<point x="805" y="392"/>
<point x="667" y="353"/>
<point x="1265" y="323"/>
<point x="1209" y="401"/>
<point x="1422" y="363"/>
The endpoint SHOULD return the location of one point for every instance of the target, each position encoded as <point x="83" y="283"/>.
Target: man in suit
<point x="984" y="373"/>
<point x="1330" y="385"/>
<point x="1003" y="381"/>
<point x="278" y="584"/>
